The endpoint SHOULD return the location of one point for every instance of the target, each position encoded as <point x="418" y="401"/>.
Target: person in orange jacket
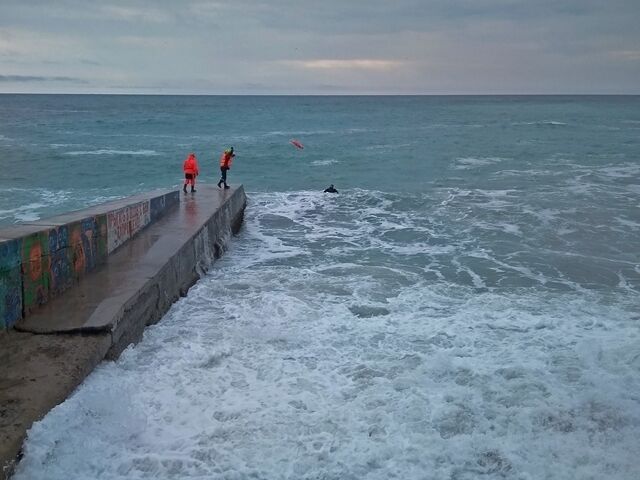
<point x="226" y="159"/>
<point x="191" y="171"/>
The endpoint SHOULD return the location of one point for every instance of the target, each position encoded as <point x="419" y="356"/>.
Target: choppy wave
<point x="358" y="336"/>
<point x="469" y="312"/>
<point x="47" y="202"/>
<point x="287" y="133"/>
<point x="30" y="211"/>
<point x="23" y="213"/>
<point x="145" y="153"/>
<point x="65" y="145"/>
<point x="322" y="163"/>
<point x="387" y="147"/>
<point x="475" y="162"/>
<point x="452" y="125"/>
<point x="542" y="122"/>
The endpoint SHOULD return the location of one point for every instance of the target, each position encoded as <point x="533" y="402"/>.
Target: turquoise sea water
<point x="466" y="307"/>
<point x="61" y="152"/>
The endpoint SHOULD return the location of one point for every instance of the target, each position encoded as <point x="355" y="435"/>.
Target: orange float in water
<point x="297" y="144"/>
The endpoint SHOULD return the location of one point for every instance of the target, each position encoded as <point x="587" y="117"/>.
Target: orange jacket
<point x="191" y="165"/>
<point x="226" y="159"/>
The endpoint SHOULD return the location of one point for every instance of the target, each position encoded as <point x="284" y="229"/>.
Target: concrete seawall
<point x="42" y="259"/>
<point x="56" y="344"/>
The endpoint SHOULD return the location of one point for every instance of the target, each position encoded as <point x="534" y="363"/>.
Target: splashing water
<point x="367" y="335"/>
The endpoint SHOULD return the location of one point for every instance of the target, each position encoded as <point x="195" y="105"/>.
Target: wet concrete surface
<point x="95" y="304"/>
<point x="51" y="351"/>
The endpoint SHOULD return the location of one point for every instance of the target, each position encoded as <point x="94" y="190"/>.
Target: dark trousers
<point x="189" y="178"/>
<point x="223" y="175"/>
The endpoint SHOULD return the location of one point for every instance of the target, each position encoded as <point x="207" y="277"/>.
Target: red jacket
<point x="226" y="159"/>
<point x="191" y="165"/>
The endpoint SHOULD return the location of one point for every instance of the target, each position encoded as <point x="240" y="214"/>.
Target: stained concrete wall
<point x="39" y="260"/>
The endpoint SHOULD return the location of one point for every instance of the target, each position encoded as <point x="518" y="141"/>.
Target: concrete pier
<point x="57" y="343"/>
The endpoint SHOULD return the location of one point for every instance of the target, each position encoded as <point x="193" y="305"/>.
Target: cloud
<point x="142" y="41"/>
<point x="86" y="61"/>
<point x="374" y="17"/>
<point x="304" y="46"/>
<point x="355" y="64"/>
<point x="629" y="55"/>
<point x="132" y="14"/>
<point x="18" y="42"/>
<point x="39" y="78"/>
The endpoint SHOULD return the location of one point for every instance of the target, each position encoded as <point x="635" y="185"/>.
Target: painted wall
<point x="42" y="263"/>
<point x="10" y="283"/>
<point x="53" y="259"/>
<point x="124" y="223"/>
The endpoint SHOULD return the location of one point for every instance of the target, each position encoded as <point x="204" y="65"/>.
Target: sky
<point x="320" y="47"/>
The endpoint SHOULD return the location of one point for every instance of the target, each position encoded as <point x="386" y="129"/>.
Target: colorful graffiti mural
<point x="139" y="217"/>
<point x="59" y="265"/>
<point x="117" y="228"/>
<point x="10" y="283"/>
<point x="35" y="270"/>
<point x="83" y="246"/>
<point x="54" y="258"/>
<point x="43" y="264"/>
<point x="76" y="249"/>
<point x="124" y="223"/>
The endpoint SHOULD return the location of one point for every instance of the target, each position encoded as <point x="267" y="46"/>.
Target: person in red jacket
<point x="190" y="167"/>
<point x="226" y="159"/>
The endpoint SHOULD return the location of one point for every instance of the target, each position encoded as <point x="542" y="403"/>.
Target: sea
<point x="466" y="307"/>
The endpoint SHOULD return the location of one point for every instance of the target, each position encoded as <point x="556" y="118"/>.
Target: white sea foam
<point x="23" y="213"/>
<point x="144" y="153"/>
<point x="322" y="163"/>
<point x="542" y="122"/>
<point x="50" y="202"/>
<point x="620" y="171"/>
<point x="313" y="349"/>
<point x="28" y="216"/>
<point x="466" y="163"/>
<point x="634" y="225"/>
<point x="288" y="133"/>
<point x="65" y="145"/>
<point x="33" y="211"/>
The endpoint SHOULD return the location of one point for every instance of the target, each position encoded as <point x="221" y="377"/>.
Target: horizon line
<point x="117" y="94"/>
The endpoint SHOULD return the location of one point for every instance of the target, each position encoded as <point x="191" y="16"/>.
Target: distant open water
<point x="467" y="306"/>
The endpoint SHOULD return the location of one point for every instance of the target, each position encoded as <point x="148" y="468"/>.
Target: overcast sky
<point x="320" y="46"/>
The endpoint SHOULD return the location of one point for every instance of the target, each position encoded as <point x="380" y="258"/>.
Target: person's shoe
<point x="219" y="183"/>
<point x="184" y="189"/>
<point x="227" y="186"/>
<point x="193" y="190"/>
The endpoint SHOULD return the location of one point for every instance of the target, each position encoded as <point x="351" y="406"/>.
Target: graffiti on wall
<point x="84" y="246"/>
<point x="139" y="216"/>
<point x="35" y="270"/>
<point x="54" y="258"/>
<point x="10" y="283"/>
<point x="59" y="264"/>
<point x="122" y="224"/>
<point x="102" y="244"/>
<point x="117" y="228"/>
<point x="41" y="265"/>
